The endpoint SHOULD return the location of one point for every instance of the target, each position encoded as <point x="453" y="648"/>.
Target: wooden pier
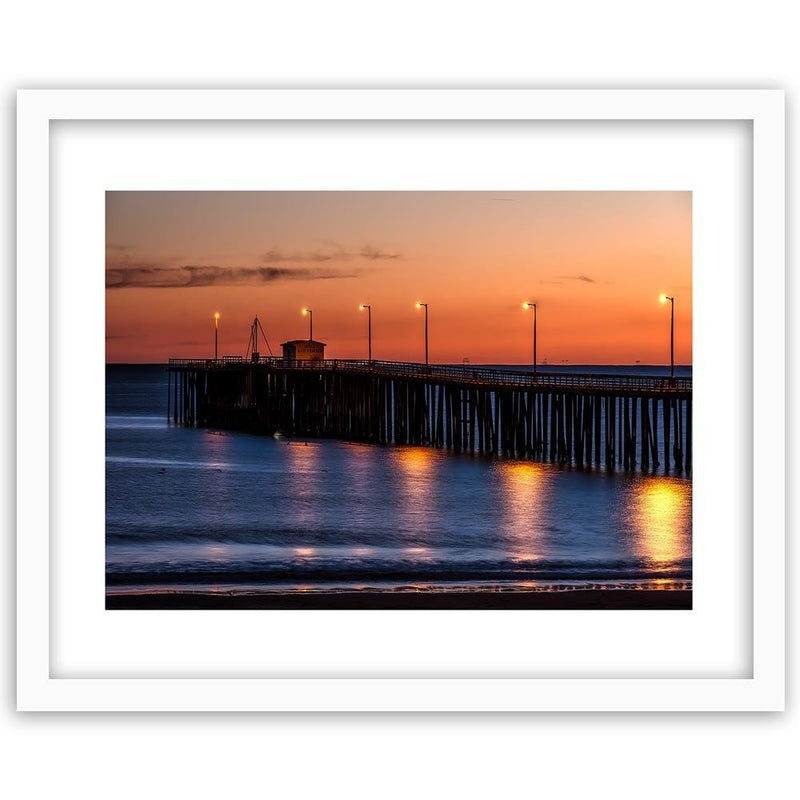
<point x="609" y="421"/>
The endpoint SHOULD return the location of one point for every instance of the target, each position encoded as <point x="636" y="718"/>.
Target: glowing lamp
<point x="425" y="306"/>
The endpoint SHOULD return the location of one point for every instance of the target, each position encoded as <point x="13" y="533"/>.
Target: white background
<point x="350" y="44"/>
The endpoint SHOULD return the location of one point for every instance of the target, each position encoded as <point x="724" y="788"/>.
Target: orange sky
<point x="594" y="262"/>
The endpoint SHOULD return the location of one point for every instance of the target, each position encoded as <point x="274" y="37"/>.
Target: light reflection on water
<point x="418" y="474"/>
<point x="524" y="498"/>
<point x="233" y="509"/>
<point x="661" y="510"/>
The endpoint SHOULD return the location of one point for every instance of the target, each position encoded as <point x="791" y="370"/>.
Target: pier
<point x="615" y="422"/>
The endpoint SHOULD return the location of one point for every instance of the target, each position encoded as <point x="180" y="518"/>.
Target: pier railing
<point x="472" y="375"/>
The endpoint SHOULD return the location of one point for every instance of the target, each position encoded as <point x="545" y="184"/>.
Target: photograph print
<point x="399" y="400"/>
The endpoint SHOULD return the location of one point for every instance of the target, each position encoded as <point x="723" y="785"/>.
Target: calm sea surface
<point x="217" y="511"/>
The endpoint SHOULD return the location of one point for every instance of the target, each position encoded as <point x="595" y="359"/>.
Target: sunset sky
<point x="594" y="262"/>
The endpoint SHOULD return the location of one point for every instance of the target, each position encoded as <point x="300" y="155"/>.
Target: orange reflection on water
<point x="525" y="489"/>
<point x="216" y="552"/>
<point x="303" y="457"/>
<point x="418" y="553"/>
<point x="416" y="470"/>
<point x="661" y="511"/>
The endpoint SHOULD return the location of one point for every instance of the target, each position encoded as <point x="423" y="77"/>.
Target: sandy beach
<point x="566" y="600"/>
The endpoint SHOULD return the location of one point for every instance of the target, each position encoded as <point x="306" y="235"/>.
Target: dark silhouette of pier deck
<point x="614" y="421"/>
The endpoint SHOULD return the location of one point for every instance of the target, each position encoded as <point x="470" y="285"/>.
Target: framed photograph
<point x="400" y="400"/>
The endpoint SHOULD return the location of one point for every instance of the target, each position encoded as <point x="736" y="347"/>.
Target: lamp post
<point x="369" y="328"/>
<point x="310" y="323"/>
<point x="663" y="299"/>
<point x="425" y="306"/>
<point x="526" y="305"/>
<point x="216" y="335"/>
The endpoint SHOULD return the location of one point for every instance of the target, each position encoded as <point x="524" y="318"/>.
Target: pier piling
<point x="577" y="420"/>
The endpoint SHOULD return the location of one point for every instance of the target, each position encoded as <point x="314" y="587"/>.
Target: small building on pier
<point x="303" y="350"/>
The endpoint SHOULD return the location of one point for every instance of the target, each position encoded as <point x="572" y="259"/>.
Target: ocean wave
<point x="349" y="571"/>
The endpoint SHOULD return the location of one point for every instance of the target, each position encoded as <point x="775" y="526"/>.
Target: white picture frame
<point x="42" y="685"/>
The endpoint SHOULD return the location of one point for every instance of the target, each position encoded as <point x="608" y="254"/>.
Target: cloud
<point x="374" y="254"/>
<point x="335" y="252"/>
<point x="583" y="278"/>
<point x="189" y="276"/>
<point x="124" y="272"/>
<point x="279" y="257"/>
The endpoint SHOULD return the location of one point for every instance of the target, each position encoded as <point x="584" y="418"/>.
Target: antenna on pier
<point x="252" y="344"/>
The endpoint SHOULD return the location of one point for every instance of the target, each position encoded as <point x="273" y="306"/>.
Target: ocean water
<point x="217" y="511"/>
